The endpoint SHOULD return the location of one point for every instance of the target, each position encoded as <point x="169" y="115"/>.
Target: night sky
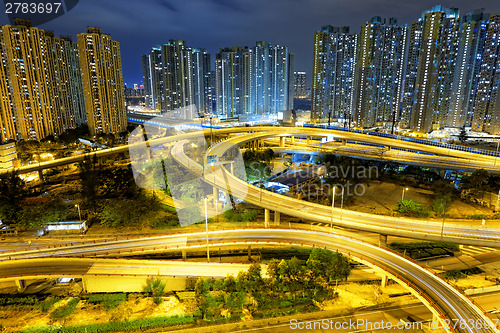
<point x="140" y="24"/>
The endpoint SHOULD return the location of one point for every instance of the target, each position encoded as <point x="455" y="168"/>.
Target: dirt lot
<point x="382" y="198"/>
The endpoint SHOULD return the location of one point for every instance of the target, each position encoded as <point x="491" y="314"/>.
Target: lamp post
<point x="333" y="202"/>
<point x="206" y="227"/>
<point x="403" y="195"/>
<point x="79" y="213"/>
<point x="342" y="203"/>
<point x="498" y="199"/>
<point x="496" y="155"/>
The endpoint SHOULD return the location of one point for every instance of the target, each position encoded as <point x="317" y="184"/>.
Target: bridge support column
<point x="292" y="139"/>
<point x="40" y="175"/>
<point x="382" y="241"/>
<point x="385" y="279"/>
<point x="21" y="285"/>
<point x="184" y="255"/>
<point x="276" y="218"/>
<point x="387" y="148"/>
<point x="215" y="194"/>
<point x="249" y="253"/>
<point x="344" y="142"/>
<point x="308" y="139"/>
<point x="435" y="318"/>
<point x="267" y="214"/>
<point x="282" y="141"/>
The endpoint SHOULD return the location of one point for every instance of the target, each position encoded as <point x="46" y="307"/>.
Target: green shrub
<point x="412" y="208"/>
<point x="478" y="216"/>
<point x="155" y="288"/>
<point x="246" y="216"/>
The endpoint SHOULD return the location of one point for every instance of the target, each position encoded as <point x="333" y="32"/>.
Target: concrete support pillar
<point x="385" y="279"/>
<point x="267" y="214"/>
<point x="435" y="319"/>
<point x="344" y="142"/>
<point x="382" y="241"/>
<point x="292" y="139"/>
<point x="20" y="284"/>
<point x="40" y="175"/>
<point x="249" y="253"/>
<point x="184" y="255"/>
<point x="282" y="141"/>
<point x="215" y="194"/>
<point x="276" y="218"/>
<point x="308" y="139"/>
<point x="387" y="148"/>
<point x="232" y="168"/>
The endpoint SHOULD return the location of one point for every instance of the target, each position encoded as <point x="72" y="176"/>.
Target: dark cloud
<point x="230" y="4"/>
<point x="139" y="25"/>
<point x="168" y="5"/>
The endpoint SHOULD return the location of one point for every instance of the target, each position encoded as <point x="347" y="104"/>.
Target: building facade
<point x="436" y="65"/>
<point x="379" y="73"/>
<point x="102" y="78"/>
<point x="334" y="64"/>
<point x="469" y="58"/>
<point x="486" y="115"/>
<point x="255" y="81"/>
<point x="299" y="85"/>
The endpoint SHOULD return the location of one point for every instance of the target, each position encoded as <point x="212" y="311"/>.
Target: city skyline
<point x="232" y="23"/>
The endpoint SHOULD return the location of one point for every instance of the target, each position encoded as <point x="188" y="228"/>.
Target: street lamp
<point x="206" y="226"/>
<point x="498" y="198"/>
<point x="403" y="195"/>
<point x="496" y="155"/>
<point x="342" y="203"/>
<point x="79" y="213"/>
<point x="333" y="202"/>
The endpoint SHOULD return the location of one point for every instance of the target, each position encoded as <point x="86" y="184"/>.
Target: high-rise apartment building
<point x="436" y="65"/>
<point x="100" y="61"/>
<point x="334" y="64"/>
<point x="28" y="104"/>
<point x="233" y="88"/>
<point x="177" y="76"/>
<point x="299" y="85"/>
<point x="68" y="78"/>
<point x="379" y="72"/>
<point x="469" y="58"/>
<point x="202" y="89"/>
<point x="254" y="80"/>
<point x="414" y="42"/>
<point x="152" y="73"/>
<point x="487" y="100"/>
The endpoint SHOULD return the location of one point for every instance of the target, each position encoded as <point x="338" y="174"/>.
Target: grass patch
<point x="65" y="310"/>
<point x="139" y="324"/>
<point x="110" y="301"/>
<point x="48" y="303"/>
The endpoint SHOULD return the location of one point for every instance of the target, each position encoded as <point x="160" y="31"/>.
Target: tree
<point x="201" y="295"/>
<point x="155" y="288"/>
<point x="328" y="265"/>
<point x="12" y="193"/>
<point x="89" y="181"/>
